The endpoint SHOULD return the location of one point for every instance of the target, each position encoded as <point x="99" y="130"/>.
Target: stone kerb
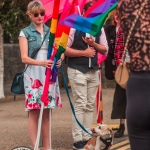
<point x="13" y="65"/>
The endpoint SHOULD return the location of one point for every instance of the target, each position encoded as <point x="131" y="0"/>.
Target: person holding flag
<point x="34" y="39"/>
<point x="83" y="75"/>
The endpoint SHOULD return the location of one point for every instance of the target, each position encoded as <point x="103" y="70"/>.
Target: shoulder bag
<point x="122" y="71"/>
<point x="17" y="86"/>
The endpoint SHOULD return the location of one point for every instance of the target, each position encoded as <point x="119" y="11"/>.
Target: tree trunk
<point x="1" y="64"/>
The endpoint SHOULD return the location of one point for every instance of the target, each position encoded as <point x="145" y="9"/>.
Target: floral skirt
<point x="34" y="79"/>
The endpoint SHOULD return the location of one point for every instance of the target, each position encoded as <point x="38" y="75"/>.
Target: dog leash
<point x="71" y="105"/>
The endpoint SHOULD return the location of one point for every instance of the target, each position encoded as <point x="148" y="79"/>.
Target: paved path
<point x="13" y="122"/>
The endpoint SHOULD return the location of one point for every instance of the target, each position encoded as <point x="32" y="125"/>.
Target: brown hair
<point x="87" y="5"/>
<point x="115" y="15"/>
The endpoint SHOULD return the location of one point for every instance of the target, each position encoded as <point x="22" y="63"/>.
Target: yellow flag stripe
<point x="62" y="41"/>
<point x="53" y="26"/>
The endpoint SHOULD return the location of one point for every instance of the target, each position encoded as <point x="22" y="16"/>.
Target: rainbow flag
<point x="51" y="50"/>
<point x="94" y="24"/>
<point x="58" y="40"/>
<point x="62" y="32"/>
<point x="99" y="7"/>
<point x="48" y="4"/>
<point x="95" y="9"/>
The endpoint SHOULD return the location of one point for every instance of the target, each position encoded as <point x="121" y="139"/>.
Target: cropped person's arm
<point x="103" y="41"/>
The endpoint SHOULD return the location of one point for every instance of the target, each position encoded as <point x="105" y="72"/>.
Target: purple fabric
<point x="102" y="8"/>
<point x="70" y="21"/>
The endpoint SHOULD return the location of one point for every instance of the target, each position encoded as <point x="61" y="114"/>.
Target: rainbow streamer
<point x="91" y="25"/>
<point x="99" y="102"/>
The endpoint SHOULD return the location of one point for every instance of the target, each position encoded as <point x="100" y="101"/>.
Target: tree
<point x="13" y="18"/>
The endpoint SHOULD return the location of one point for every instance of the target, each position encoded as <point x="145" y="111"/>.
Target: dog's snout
<point x="99" y="127"/>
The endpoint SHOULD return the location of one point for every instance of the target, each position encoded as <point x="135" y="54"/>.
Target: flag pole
<point x="50" y="115"/>
<point x="36" y="147"/>
<point x="51" y="53"/>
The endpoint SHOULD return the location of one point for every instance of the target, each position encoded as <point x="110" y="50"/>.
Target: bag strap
<point x="36" y="51"/>
<point x="131" y="29"/>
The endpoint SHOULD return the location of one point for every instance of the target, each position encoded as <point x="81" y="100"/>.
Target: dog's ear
<point x="110" y="129"/>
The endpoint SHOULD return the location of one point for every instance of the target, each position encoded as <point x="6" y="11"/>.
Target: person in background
<point x="119" y="100"/>
<point x="30" y="39"/>
<point x="138" y="86"/>
<point x="83" y="75"/>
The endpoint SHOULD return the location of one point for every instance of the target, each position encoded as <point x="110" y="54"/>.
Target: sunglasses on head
<point x="41" y="13"/>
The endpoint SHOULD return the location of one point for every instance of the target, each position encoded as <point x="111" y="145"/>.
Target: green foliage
<point x="13" y="18"/>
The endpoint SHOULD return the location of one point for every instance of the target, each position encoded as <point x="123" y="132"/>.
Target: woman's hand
<point x="58" y="63"/>
<point x="47" y="63"/>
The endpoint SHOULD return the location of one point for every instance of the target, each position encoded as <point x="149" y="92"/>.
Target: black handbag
<point x="17" y="86"/>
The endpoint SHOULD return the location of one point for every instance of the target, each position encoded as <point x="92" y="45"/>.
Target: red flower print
<point x="30" y="105"/>
<point x="29" y="96"/>
<point x="60" y="105"/>
<point x="36" y="106"/>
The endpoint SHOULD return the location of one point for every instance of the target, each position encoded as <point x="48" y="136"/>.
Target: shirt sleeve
<point x="22" y="34"/>
<point x="103" y="40"/>
<point x="71" y="37"/>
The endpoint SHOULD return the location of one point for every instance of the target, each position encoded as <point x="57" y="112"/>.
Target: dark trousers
<point x="138" y="110"/>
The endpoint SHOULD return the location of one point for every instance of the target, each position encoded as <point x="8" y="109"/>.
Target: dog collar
<point x="107" y="142"/>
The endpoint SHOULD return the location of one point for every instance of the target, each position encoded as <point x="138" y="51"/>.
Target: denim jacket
<point x="34" y="38"/>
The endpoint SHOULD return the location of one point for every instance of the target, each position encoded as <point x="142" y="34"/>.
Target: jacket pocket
<point x="32" y="41"/>
<point x="32" y="44"/>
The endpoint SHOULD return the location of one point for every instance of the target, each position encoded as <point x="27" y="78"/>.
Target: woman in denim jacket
<point x="30" y="39"/>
